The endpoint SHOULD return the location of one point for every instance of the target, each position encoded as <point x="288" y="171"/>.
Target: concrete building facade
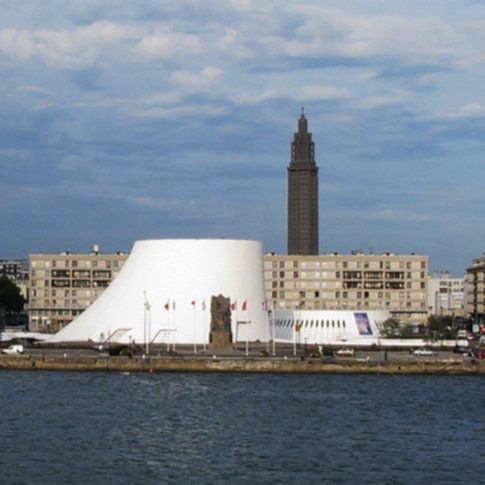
<point x="395" y="283"/>
<point x="446" y="295"/>
<point x="475" y="290"/>
<point x="62" y="286"/>
<point x="303" y="193"/>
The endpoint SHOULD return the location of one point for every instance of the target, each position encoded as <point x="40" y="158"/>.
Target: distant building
<point x="475" y="290"/>
<point x="303" y="193"/>
<point x="446" y="295"/>
<point x="63" y="285"/>
<point x="14" y="269"/>
<point x="396" y="283"/>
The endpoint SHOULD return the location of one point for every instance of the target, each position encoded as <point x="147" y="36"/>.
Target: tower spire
<point x="302" y="193"/>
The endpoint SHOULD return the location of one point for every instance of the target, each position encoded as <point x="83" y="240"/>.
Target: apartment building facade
<point x="475" y="290"/>
<point x="446" y="295"/>
<point x="397" y="283"/>
<point x="62" y="286"/>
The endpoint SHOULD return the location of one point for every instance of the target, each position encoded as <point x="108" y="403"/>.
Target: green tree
<point x="440" y="326"/>
<point x="11" y="299"/>
<point x="391" y="328"/>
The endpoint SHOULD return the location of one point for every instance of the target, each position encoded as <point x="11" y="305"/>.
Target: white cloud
<point x="376" y="101"/>
<point x="196" y="80"/>
<point x="188" y="110"/>
<point x="167" y="44"/>
<point x="300" y="93"/>
<point x="78" y="47"/>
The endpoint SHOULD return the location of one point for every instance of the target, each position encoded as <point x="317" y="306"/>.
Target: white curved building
<point x="328" y="327"/>
<point x="164" y="289"/>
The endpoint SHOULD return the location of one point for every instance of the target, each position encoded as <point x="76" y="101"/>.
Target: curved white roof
<point x="183" y="274"/>
<point x="329" y="326"/>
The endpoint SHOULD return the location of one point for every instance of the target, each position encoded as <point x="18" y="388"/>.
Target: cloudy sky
<point x="125" y="120"/>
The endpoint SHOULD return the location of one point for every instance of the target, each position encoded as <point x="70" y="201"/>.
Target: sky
<point x="129" y="120"/>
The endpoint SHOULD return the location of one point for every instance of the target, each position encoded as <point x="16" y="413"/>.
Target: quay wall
<point x="309" y="366"/>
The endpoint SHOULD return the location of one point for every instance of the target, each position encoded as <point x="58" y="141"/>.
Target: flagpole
<point x="174" y="326"/>
<point x="145" y="319"/>
<point x="274" y="329"/>
<point x="267" y="324"/>
<point x="204" y="347"/>
<point x="149" y="327"/>
<point x="247" y="338"/>
<point x="195" y="327"/>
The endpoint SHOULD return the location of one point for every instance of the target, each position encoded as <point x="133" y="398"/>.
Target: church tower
<point x="303" y="193"/>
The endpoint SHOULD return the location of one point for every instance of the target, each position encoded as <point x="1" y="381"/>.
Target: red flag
<point x="167" y="305"/>
<point x="245" y="306"/>
<point x="234" y="305"/>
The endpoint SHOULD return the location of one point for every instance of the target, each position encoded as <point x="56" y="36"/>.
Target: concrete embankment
<point x="312" y="366"/>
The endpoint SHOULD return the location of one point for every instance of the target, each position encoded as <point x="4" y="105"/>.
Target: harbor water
<point x="69" y="427"/>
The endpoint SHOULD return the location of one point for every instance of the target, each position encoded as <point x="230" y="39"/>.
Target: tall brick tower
<point x="303" y="193"/>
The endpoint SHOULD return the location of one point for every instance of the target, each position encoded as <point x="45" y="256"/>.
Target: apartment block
<point x="446" y="295"/>
<point x="475" y="290"/>
<point x="397" y="283"/>
<point x="62" y="286"/>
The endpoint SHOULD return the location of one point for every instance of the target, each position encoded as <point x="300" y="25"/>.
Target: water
<point x="237" y="428"/>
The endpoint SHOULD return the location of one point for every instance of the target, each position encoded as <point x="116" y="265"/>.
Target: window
<point x="282" y="274"/>
<point x="295" y="274"/>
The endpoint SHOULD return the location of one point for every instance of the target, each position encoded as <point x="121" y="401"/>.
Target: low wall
<point x="125" y="364"/>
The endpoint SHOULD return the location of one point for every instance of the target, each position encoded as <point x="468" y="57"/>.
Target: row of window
<point x="64" y="293"/>
<point x="348" y="275"/>
<point x="74" y="264"/>
<point x="357" y="294"/>
<point x="349" y="264"/>
<point x="289" y="322"/>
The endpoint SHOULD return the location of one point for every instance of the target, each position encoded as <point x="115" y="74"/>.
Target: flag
<point x="234" y="306"/>
<point x="193" y="303"/>
<point x="298" y="327"/>
<point x="245" y="305"/>
<point x="167" y="305"/>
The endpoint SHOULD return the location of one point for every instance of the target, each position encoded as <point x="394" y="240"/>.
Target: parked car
<point x="13" y="350"/>
<point x="345" y="353"/>
<point x="424" y="353"/>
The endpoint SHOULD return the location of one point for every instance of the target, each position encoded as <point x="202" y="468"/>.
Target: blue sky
<point x="127" y="120"/>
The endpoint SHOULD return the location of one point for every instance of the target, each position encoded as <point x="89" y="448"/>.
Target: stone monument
<point x="220" y="336"/>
